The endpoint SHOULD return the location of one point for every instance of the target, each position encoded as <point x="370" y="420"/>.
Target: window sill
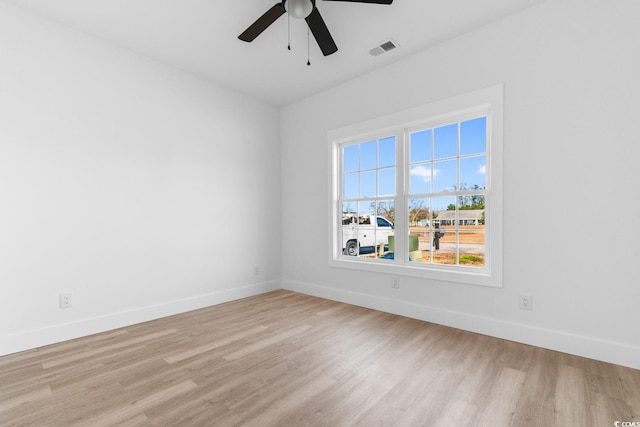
<point x="432" y="272"/>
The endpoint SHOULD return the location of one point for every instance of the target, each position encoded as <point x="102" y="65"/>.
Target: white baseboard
<point x="579" y="345"/>
<point x="30" y="339"/>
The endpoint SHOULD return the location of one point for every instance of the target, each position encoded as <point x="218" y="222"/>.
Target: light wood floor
<point x="286" y="359"/>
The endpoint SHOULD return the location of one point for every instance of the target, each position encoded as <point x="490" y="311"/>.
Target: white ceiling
<point x="200" y="36"/>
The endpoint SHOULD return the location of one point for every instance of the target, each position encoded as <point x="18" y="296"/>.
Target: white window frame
<point x="487" y="100"/>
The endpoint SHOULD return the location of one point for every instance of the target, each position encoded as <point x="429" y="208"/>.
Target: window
<point x="420" y="192"/>
<point x="447" y="183"/>
<point x="368" y="191"/>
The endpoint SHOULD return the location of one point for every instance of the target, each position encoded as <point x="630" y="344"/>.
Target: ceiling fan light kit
<point x="298" y="9"/>
<point x="301" y="9"/>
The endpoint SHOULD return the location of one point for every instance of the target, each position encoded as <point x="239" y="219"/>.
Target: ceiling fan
<point x="300" y="9"/>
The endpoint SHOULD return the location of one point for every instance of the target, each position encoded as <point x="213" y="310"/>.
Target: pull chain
<point x="288" y="31"/>
<point x="308" y="54"/>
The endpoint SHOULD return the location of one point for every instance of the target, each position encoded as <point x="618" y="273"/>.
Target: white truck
<point x="364" y="232"/>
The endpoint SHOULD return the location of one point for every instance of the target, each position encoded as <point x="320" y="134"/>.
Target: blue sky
<point x="433" y="154"/>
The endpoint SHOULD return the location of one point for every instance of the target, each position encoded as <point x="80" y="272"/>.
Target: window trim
<point x="487" y="99"/>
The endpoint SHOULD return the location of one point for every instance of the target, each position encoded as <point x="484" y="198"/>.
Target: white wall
<point x="141" y="190"/>
<point x="571" y="71"/>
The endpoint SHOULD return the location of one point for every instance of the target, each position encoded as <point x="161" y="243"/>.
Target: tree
<point x="417" y="211"/>
<point x="386" y="210"/>
<point x="471" y="201"/>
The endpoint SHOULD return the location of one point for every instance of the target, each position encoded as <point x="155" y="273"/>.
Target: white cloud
<point x="423" y="172"/>
<point x="482" y="170"/>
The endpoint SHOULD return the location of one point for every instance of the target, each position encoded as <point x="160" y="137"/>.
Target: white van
<point x="365" y="232"/>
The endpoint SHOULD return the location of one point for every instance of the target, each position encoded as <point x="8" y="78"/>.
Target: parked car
<point x="365" y="232"/>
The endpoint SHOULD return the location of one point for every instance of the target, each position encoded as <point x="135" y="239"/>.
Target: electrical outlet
<point x="66" y="300"/>
<point x="526" y="302"/>
<point x="395" y="283"/>
<point x="256" y="270"/>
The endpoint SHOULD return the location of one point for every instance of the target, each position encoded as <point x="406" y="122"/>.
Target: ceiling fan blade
<point x="367" y="1"/>
<point x="263" y="22"/>
<point x="321" y="32"/>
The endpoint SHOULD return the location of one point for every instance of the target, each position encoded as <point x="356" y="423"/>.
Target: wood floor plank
<point x="536" y="405"/>
<point x="288" y="359"/>
<point x="214" y="345"/>
<point x="134" y="409"/>
<point x="503" y="397"/>
<point x="76" y="356"/>
<point x="20" y="399"/>
<point x="571" y="395"/>
<point x="266" y="342"/>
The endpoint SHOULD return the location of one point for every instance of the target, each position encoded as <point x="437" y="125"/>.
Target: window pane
<point x="471" y="217"/>
<point x="470" y="203"/>
<point x="445" y="141"/>
<point x="445" y="176"/>
<point x="365" y="234"/>
<point x="349" y="212"/>
<point x="368" y="155"/>
<point x="385" y="229"/>
<point x="387" y="182"/>
<point x="387" y="152"/>
<point x="471" y="254"/>
<point x="473" y="136"/>
<point x="420" y="146"/>
<point x="420" y="178"/>
<point x="385" y="209"/>
<point x="350" y="158"/>
<point x="471" y="238"/>
<point x="350" y="190"/>
<point x="443" y="230"/>
<point x="443" y="210"/>
<point x="419" y="232"/>
<point x="473" y="173"/>
<point x="368" y="184"/>
<point x="365" y="211"/>
<point x="418" y="213"/>
<point x="349" y="229"/>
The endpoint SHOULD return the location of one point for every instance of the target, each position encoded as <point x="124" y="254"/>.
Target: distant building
<point x="465" y="217"/>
